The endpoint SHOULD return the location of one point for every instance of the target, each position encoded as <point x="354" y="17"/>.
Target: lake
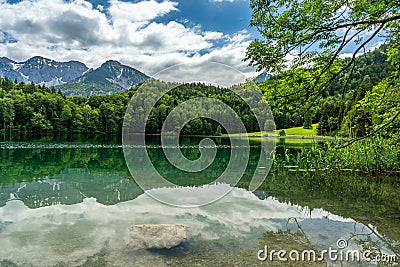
<point x="69" y="202"/>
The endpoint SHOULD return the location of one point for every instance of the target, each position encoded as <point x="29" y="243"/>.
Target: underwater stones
<point x="155" y="236"/>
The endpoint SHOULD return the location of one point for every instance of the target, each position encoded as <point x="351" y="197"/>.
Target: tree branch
<point x="349" y="64"/>
<point x="357" y="23"/>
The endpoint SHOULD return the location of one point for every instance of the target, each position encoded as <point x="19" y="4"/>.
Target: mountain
<point x="114" y="73"/>
<point x="8" y="68"/>
<point x="110" y="77"/>
<point x="73" y="77"/>
<point x="43" y="71"/>
<point x="262" y="77"/>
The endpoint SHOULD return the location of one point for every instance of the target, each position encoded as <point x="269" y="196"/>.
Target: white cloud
<point x="100" y="7"/>
<point x="240" y="216"/>
<point x="233" y="53"/>
<point x="141" y="11"/>
<point x="213" y="35"/>
<point x="128" y="32"/>
<point x="171" y="37"/>
<point x="54" y="22"/>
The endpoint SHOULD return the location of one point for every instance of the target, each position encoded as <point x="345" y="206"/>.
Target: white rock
<point x="159" y="236"/>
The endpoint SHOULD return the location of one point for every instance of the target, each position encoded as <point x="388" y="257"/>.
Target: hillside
<point x="337" y="107"/>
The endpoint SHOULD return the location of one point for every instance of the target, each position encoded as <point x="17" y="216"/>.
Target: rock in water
<point x="146" y="236"/>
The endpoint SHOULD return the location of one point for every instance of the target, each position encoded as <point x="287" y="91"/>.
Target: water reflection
<point x="45" y="173"/>
<point x="71" y="186"/>
<point x="232" y="227"/>
<point x="70" y="203"/>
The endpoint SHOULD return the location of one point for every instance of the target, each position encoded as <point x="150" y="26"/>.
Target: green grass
<point x="253" y="134"/>
<point x="300" y="131"/>
<point x="295" y="131"/>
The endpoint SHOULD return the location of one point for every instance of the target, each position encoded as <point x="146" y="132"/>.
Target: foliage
<point x="316" y="32"/>
<point x="88" y="89"/>
<point x="301" y="43"/>
<point x="307" y="120"/>
<point x="336" y="111"/>
<point x="31" y="108"/>
<point x="383" y="105"/>
<point x="370" y="101"/>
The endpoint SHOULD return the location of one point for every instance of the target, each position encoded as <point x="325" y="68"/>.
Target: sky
<point x="149" y="35"/>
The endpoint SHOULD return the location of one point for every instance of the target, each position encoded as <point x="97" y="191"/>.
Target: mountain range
<point x="73" y="77"/>
<point x="262" y="77"/>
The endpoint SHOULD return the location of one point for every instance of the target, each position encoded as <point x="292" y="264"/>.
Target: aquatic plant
<point x="373" y="156"/>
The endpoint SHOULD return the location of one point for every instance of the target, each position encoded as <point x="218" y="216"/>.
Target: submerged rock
<point x="159" y="236"/>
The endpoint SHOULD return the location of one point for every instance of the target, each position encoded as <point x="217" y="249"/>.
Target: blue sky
<point x="149" y="35"/>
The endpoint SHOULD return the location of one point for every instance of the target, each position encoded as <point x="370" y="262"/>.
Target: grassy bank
<point x="300" y="131"/>
<point x="295" y="132"/>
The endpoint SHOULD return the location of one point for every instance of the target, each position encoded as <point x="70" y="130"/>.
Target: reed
<point x="373" y="156"/>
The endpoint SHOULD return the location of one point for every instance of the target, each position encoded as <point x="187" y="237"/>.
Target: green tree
<point x="7" y="113"/>
<point x="66" y="118"/>
<point x="383" y="105"/>
<point x="106" y="115"/>
<point x="297" y="28"/>
<point x="307" y="120"/>
<point x="40" y="123"/>
<point x="328" y="124"/>
<point x="313" y="33"/>
<point x="90" y="118"/>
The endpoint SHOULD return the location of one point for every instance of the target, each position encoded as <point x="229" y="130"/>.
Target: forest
<point x="352" y="112"/>
<point x="348" y="107"/>
<point x="325" y="66"/>
<point x="31" y="108"/>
